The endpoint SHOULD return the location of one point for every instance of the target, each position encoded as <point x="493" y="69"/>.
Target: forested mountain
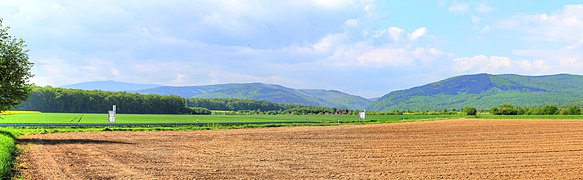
<point x="484" y="91"/>
<point x="265" y="92"/>
<point x="110" y="86"/>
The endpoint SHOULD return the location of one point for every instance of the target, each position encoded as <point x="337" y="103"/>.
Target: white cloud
<point x="475" y="19"/>
<point x="546" y="32"/>
<point x="486" y="28"/>
<point x="363" y="54"/>
<point x="458" y="8"/>
<point x="114" y="72"/>
<point x="335" y="4"/>
<point x="561" y="60"/>
<point x="58" y="71"/>
<point x="381" y="56"/>
<point x="353" y="22"/>
<point x="396" y="33"/>
<point x="499" y="64"/>
<point x="564" y="26"/>
<point x="418" y="33"/>
<point x="484" y="8"/>
<point x="329" y="42"/>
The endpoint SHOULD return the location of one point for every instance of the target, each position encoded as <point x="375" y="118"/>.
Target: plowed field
<point x="499" y="149"/>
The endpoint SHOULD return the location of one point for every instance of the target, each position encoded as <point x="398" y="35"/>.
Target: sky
<point x="363" y="47"/>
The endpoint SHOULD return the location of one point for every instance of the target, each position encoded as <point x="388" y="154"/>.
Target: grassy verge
<point x="7" y="151"/>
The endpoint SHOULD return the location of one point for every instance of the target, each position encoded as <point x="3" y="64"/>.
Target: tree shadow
<point x="6" y="133"/>
<point x="66" y="141"/>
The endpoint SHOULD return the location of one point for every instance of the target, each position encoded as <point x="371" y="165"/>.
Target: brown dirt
<point x="498" y="149"/>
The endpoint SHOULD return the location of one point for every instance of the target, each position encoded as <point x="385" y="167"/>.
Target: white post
<point x="362" y="115"/>
<point x="111" y="115"/>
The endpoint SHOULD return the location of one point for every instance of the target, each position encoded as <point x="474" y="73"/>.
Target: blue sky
<point x="362" y="47"/>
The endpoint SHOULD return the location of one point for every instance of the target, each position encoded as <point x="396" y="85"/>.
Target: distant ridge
<point x="477" y="90"/>
<point x="110" y="86"/>
<point x="266" y="92"/>
<point x="253" y="91"/>
<point x="484" y="91"/>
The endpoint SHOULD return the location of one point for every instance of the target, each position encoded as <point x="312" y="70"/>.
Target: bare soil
<point x="492" y="149"/>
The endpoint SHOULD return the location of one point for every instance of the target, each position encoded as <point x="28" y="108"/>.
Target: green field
<point x="64" y="118"/>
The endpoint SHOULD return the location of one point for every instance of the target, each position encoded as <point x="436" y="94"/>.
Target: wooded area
<point x="49" y="99"/>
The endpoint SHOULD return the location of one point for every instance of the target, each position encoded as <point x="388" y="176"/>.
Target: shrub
<point x="470" y="111"/>
<point x="571" y="110"/>
<point x="507" y="109"/>
<point x="200" y="110"/>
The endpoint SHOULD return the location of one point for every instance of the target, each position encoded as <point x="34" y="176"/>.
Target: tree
<point x="571" y="110"/>
<point x="549" y="110"/>
<point x="470" y="111"/>
<point x="14" y="70"/>
<point x="494" y="111"/>
<point x="507" y="109"/>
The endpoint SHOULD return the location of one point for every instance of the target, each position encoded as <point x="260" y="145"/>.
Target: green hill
<point x="266" y="92"/>
<point x="484" y="91"/>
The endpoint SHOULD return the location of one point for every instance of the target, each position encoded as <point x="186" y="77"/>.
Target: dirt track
<point x="439" y="149"/>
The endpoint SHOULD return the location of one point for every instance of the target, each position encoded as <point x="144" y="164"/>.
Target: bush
<point x="507" y="109"/>
<point x="494" y="111"/>
<point x="200" y="111"/>
<point x="470" y="111"/>
<point x="572" y="110"/>
<point x="550" y="110"/>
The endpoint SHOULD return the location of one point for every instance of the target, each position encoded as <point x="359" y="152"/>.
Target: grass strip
<point x="7" y="151"/>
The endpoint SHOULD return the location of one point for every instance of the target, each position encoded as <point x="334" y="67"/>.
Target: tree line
<point x="49" y="99"/>
<point x="256" y="107"/>
<point x="507" y="109"/>
<point x="238" y="104"/>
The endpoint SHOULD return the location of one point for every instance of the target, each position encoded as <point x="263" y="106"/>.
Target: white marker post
<point x="111" y="117"/>
<point x="362" y="115"/>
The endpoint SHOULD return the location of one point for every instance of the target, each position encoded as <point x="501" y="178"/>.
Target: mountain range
<point x="483" y="91"/>
<point x="110" y="86"/>
<point x="478" y="90"/>
<point x="254" y="91"/>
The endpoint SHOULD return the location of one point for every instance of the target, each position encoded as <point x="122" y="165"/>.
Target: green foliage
<point x="7" y="151"/>
<point x="49" y="99"/>
<point x="507" y="109"/>
<point x="14" y="70"/>
<point x="470" y="111"/>
<point x="494" y="111"/>
<point x="238" y="104"/>
<point x="571" y="110"/>
<point x="549" y="110"/>
<point x="200" y="111"/>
